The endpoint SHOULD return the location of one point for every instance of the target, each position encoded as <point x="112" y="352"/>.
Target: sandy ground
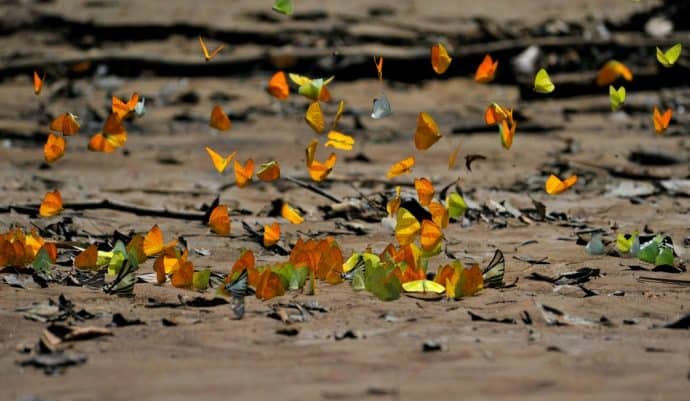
<point x="211" y="356"/>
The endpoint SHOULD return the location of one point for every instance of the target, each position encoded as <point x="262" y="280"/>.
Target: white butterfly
<point x="382" y="108"/>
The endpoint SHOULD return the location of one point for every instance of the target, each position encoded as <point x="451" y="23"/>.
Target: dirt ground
<point x="614" y="347"/>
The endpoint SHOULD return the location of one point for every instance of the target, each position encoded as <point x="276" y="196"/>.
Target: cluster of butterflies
<point x="172" y="262"/>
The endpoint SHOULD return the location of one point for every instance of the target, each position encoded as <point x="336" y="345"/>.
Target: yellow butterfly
<point x="617" y="97"/>
<point x="555" y="186"/>
<point x="423" y="286"/>
<point x="407" y="227"/>
<point x="314" y="117"/>
<point x="209" y="56"/>
<point x="542" y="82"/>
<point x="669" y="57"/>
<point x="290" y="214"/>
<point x="314" y="89"/>
<point x="243" y="174"/>
<point x="339" y="141"/>
<point x="220" y="162"/>
<point x="402" y="167"/>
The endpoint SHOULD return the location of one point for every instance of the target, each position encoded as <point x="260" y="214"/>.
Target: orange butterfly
<point x="495" y="114"/>
<point x="290" y="214"/>
<point x="219" y="120"/>
<point x="440" y="60"/>
<point x="611" y="71"/>
<point x="430" y="235"/>
<point x="87" y="259"/>
<point x="427" y="132"/>
<point x="38" y="83"/>
<point x="54" y="148"/>
<point x="219" y="221"/>
<point x="555" y="186"/>
<point x="486" y="70"/>
<point x="439" y="214"/>
<point x="66" y="123"/>
<point x="269" y="285"/>
<point x="51" y="205"/>
<point x="271" y="234"/>
<point x="243" y="175"/>
<point x="425" y="190"/>
<point x="269" y="171"/>
<point x="453" y="157"/>
<point x="183" y="277"/>
<point x="402" y="167"/>
<point x="278" y="86"/>
<point x="111" y="138"/>
<point x="209" y="56"/>
<point x="219" y="162"/>
<point x="661" y="121"/>
<point x="153" y="242"/>
<point x="319" y="171"/>
<point x="379" y="67"/>
<point x="122" y="109"/>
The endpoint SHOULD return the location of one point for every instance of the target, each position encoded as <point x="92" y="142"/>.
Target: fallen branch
<point x="314" y="189"/>
<point x="32" y="209"/>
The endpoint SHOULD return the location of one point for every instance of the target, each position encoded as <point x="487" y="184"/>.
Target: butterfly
<point x="183" y="277"/>
<point x="67" y="124"/>
<point x="459" y="281"/>
<point x="555" y="186"/>
<point x="238" y="288"/>
<point x="269" y="285"/>
<point x="456" y="205"/>
<point x="219" y="120"/>
<point x="404" y="166"/>
<point x="290" y="214"/>
<point x="140" y="108"/>
<point x="427" y="132"/>
<point x="339" y="140"/>
<point x="278" y="86"/>
<point x="314" y="117"/>
<point x="440" y="60"/>
<point x="430" y="236"/>
<point x="496" y="114"/>
<point x="382" y="108"/>
<point x="123" y="283"/>
<point x="393" y="204"/>
<point x="542" y="82"/>
<point x="661" y="121"/>
<point x="112" y="137"/>
<point x="54" y="148"/>
<point x="439" y="214"/>
<point x="243" y="175"/>
<point x="486" y="71"/>
<point x="38" y="82"/>
<point x="453" y="157"/>
<point x="310" y="151"/>
<point x="469" y="159"/>
<point x="506" y="130"/>
<point x="425" y="190"/>
<point x="494" y="271"/>
<point x="617" y="97"/>
<point x="122" y="109"/>
<point x="669" y="57"/>
<point x="209" y="56"/>
<point x="271" y="234"/>
<point x="284" y="7"/>
<point x="611" y="71"/>
<point x="219" y="162"/>
<point x="269" y="171"/>
<point x="314" y="89"/>
<point x="51" y="205"/>
<point x="219" y="220"/>
<point x="423" y="286"/>
<point x="379" y="67"/>
<point x="319" y="171"/>
<point x="88" y="258"/>
<point x="338" y="113"/>
<point x="407" y="226"/>
<point x="153" y="242"/>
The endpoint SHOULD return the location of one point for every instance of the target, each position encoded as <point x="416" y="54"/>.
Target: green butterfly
<point x="617" y="97"/>
<point x="284" y="7"/>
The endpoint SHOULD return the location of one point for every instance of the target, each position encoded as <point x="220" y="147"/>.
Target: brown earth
<point x="153" y="47"/>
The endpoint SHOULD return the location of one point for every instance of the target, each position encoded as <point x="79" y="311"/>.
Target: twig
<point x="32" y="209"/>
<point x="314" y="189"/>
